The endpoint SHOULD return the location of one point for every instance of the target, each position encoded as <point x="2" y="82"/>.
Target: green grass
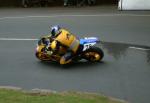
<point x="15" y="96"/>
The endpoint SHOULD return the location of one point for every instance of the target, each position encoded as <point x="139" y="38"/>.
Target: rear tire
<point x="94" y="54"/>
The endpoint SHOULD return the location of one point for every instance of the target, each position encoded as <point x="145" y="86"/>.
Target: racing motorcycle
<point x="88" y="51"/>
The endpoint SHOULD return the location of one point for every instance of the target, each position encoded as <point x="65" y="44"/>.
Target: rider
<point x="62" y="37"/>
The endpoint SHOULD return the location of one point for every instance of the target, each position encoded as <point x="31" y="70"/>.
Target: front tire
<point x="94" y="54"/>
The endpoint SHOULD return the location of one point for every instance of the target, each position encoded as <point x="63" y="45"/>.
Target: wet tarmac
<point x="117" y="50"/>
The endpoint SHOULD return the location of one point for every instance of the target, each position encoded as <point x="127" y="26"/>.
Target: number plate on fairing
<point x="88" y="45"/>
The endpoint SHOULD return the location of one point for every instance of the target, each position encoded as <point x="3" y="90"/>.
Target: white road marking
<point x="28" y="39"/>
<point x="17" y="39"/>
<point x="95" y="15"/>
<point x="137" y="48"/>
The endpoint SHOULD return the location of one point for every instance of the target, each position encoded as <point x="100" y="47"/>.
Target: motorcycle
<point x="88" y="51"/>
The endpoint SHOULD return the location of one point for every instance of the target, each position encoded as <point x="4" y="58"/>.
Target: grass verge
<point x="18" y="96"/>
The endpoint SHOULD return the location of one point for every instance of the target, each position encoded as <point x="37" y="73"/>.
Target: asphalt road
<point x="124" y="72"/>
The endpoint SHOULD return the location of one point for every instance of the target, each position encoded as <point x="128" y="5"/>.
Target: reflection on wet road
<point x="148" y="56"/>
<point x="117" y="50"/>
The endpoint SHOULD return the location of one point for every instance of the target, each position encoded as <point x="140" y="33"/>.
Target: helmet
<point x="55" y="30"/>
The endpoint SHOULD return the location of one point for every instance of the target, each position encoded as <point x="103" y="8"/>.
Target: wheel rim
<point x="97" y="57"/>
<point x="93" y="56"/>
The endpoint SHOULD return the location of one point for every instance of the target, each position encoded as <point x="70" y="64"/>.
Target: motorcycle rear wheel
<point x="94" y="54"/>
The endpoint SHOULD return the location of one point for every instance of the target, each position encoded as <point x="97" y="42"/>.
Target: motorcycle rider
<point x="62" y="37"/>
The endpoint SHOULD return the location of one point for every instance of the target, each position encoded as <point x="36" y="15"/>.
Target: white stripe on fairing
<point x="49" y="16"/>
<point x="17" y="39"/>
<point x="144" y="49"/>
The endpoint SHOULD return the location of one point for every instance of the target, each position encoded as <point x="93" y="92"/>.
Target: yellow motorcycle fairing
<point x="40" y="54"/>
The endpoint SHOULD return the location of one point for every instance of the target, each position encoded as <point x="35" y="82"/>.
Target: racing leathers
<point x="68" y="41"/>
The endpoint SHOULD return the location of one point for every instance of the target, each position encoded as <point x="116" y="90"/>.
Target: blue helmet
<point x="55" y="30"/>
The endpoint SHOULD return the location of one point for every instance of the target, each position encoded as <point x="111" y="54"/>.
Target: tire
<point x="94" y="54"/>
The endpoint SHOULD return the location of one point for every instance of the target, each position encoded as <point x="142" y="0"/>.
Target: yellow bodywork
<point x="67" y="39"/>
<point x="45" y="56"/>
<point x="41" y="55"/>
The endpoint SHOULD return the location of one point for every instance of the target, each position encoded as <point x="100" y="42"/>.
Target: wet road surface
<point x="124" y="72"/>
